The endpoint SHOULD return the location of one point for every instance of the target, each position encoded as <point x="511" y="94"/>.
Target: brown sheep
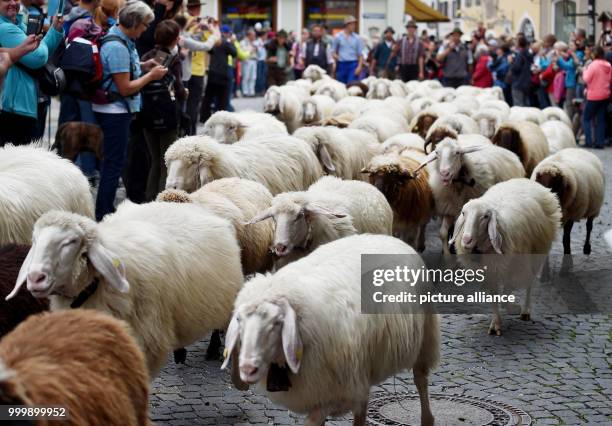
<point x="82" y="360"/>
<point x="24" y="304"/>
<point x="526" y="140"/>
<point x="75" y="137"/>
<point x="407" y="192"/>
<point x="423" y="122"/>
<point x="437" y="136"/>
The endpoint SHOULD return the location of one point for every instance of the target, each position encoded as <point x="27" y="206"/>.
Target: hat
<point x="349" y="20"/>
<point x="226" y="29"/>
<point x="412" y="23"/>
<point x="281" y="33"/>
<point x="195" y="3"/>
<point x="258" y="26"/>
<point x="456" y="30"/>
<point x="389" y="30"/>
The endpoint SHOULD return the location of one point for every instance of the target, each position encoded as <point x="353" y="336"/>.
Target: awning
<point x="420" y="12"/>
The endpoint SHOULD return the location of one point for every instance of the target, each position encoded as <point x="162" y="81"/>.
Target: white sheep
<point x="466" y="105"/>
<point x="403" y="141"/>
<point x="499" y="105"/>
<point x="420" y="104"/>
<point x="379" y="89"/>
<point x="451" y="126"/>
<point x="526" y="139"/>
<point x="517" y="217"/>
<point x="553" y="113"/>
<point x="231" y="127"/>
<point x="314" y="73"/>
<point x="445" y="94"/>
<point x="332" y="88"/>
<point x="488" y="119"/>
<point x="466" y="90"/>
<point x="285" y="103"/>
<point x="383" y="124"/>
<point x="332" y="208"/>
<point x="342" y="152"/>
<point x="308" y="316"/>
<point x="303" y="83"/>
<point x="237" y="200"/>
<point x="401" y="104"/>
<point x="348" y="108"/>
<point x="33" y="181"/>
<point x="170" y="270"/>
<point x="443" y="108"/>
<point x="558" y="135"/>
<point x="461" y="171"/>
<point x="532" y="114"/>
<point x="317" y="108"/>
<point x="281" y="163"/>
<point x="355" y="90"/>
<point x="577" y="178"/>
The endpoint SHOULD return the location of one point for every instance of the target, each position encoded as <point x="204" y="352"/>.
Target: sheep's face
<point x="227" y="132"/>
<point x="268" y="333"/>
<point x="184" y="175"/>
<point x="424" y="122"/>
<point x="450" y="162"/>
<point x="439" y="134"/>
<point x="309" y="112"/>
<point x="292" y="230"/>
<point x="487" y="127"/>
<point x="477" y="228"/>
<point x="272" y="102"/>
<point x="381" y="90"/>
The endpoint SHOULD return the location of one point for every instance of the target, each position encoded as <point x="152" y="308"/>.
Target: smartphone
<point x="161" y="57"/>
<point x="35" y="24"/>
<point x="60" y="9"/>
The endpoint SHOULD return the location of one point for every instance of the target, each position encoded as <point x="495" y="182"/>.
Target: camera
<point x="35" y="24"/>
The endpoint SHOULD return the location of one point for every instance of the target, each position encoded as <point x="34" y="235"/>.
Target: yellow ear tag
<point x="298" y="355"/>
<point x="116" y="263"/>
<point x="225" y="353"/>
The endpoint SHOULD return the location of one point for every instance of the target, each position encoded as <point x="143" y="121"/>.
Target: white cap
<point x="258" y="26"/>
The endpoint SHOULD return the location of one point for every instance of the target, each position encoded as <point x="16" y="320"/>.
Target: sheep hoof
<point x="180" y="356"/>
<point x="526" y="317"/>
<point x="587" y="249"/>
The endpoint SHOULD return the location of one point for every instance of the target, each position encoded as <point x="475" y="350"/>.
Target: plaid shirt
<point x="410" y="51"/>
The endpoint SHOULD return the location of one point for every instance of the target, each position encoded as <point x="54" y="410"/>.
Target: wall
<point x="547" y="19"/>
<point x="502" y="16"/>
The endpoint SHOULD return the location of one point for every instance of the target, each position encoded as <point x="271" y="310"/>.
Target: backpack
<point x="159" y="109"/>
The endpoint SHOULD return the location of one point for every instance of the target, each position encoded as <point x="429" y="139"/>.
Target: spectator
<point x="383" y="61"/>
<point x="241" y="55"/>
<point x="278" y="59"/>
<point x="520" y="69"/>
<point x="411" y="55"/>
<point x="249" y="65"/>
<point x="317" y="51"/>
<point x="83" y="9"/>
<point x="500" y="67"/>
<point x="158" y="140"/>
<point x="218" y="84"/>
<point x="456" y="60"/>
<point x="106" y="15"/>
<point x="348" y="49"/>
<point x="547" y="77"/>
<point x="162" y="9"/>
<point x="121" y="81"/>
<point x="19" y="116"/>
<point x="568" y="61"/>
<point x="580" y="43"/>
<point x="8" y="57"/>
<point x="262" y="66"/>
<point x="480" y="32"/>
<point x="482" y="76"/>
<point x="299" y="46"/>
<point x="598" y="76"/>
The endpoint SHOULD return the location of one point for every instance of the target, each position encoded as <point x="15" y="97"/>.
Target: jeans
<point x="158" y="142"/>
<point x="74" y="109"/>
<point x="595" y="110"/>
<point x="196" y="88"/>
<point x="116" y="128"/>
<point x="543" y="98"/>
<point x="231" y="73"/>
<point x="409" y="72"/>
<point x="260" y="82"/>
<point x="345" y="72"/>
<point x="519" y="98"/>
<point x="249" y="77"/>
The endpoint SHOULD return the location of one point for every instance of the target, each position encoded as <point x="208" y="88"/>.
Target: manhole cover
<point x="405" y="409"/>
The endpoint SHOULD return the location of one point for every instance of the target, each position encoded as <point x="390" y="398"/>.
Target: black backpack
<point x="159" y="109"/>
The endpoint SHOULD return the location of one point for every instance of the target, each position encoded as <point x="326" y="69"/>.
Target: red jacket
<point x="547" y="77"/>
<point x="482" y="76"/>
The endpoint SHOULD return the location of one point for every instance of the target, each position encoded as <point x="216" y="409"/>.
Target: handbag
<point x="51" y="79"/>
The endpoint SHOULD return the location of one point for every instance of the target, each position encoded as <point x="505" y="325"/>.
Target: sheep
<point x="237" y="200"/>
<point x="466" y="90"/>
<point x="403" y="141"/>
<point x="407" y="192"/>
<point x="379" y="89"/>
<point x="74" y="137"/>
<point x="280" y="163"/>
<point x="395" y="110"/>
<point x="488" y="121"/>
<point x="517" y="217"/>
<point x="558" y="135"/>
<point x="170" y="270"/>
<point x="83" y="361"/>
<point x="332" y="208"/>
<point x="420" y="104"/>
<point x="422" y="122"/>
<point x="285" y="103"/>
<point x="398" y="89"/>
<point x="443" y="108"/>
<point x="314" y="73"/>
<point x="334" y="359"/>
<point x="499" y="105"/>
<point x="349" y="105"/>
<point x="357" y="88"/>
<point x="526" y="140"/>
<point x="342" y="152"/>
<point x="32" y="182"/>
<point x="446" y="94"/>
<point x="462" y="171"/>
<point x="553" y="113"/>
<point x="450" y="126"/>
<point x="317" y="108"/>
<point x="576" y="177"/>
<point x="532" y="114"/>
<point x="302" y="83"/>
<point x="382" y="124"/>
<point x="24" y="305"/>
<point x="466" y="105"/>
<point x="401" y="104"/>
<point x="332" y="88"/>
<point x="231" y="127"/>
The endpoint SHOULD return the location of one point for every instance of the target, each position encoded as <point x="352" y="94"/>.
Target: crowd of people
<point x="148" y="72"/>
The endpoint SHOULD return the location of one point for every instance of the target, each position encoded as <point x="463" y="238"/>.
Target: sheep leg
<point x="567" y="230"/>
<point x="180" y="356"/>
<point x="360" y="414"/>
<point x="587" y="241"/>
<point x="495" y="327"/>
<point x="421" y="383"/>
<point x="213" y="347"/>
<point x="545" y="271"/>
<point x="315" y="418"/>
<point x="525" y="311"/>
<point x="447" y="222"/>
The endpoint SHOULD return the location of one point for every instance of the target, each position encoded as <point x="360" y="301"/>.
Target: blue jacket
<point x="19" y="94"/>
<point x="521" y="70"/>
<point x="500" y="67"/>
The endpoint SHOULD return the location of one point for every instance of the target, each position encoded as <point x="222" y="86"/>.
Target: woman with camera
<point x="18" y="119"/>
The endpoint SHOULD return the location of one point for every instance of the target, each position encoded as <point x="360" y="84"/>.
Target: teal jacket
<point x="19" y="94"/>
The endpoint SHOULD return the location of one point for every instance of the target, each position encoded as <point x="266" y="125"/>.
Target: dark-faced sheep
<point x="526" y="140"/>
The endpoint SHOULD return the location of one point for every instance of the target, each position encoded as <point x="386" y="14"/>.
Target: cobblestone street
<point x="556" y="367"/>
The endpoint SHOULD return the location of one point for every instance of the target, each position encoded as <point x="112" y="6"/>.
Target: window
<point x="564" y="25"/>
<point x="468" y="3"/>
<point x="455" y="8"/>
<point x="443" y="8"/>
<point x="329" y="12"/>
<point x="243" y="14"/>
<point x="477" y="2"/>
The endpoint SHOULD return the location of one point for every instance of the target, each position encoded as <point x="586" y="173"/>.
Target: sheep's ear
<point x="326" y="159"/>
<point x="202" y="175"/>
<point x="109" y="266"/>
<point x="494" y="235"/>
<point x="471" y="148"/>
<point x="432" y="156"/>
<point x="365" y="170"/>
<point x="292" y="344"/>
<point x="23" y="273"/>
<point x="458" y="227"/>
<point x="263" y="215"/>
<point x="231" y="338"/>
<point x="314" y="209"/>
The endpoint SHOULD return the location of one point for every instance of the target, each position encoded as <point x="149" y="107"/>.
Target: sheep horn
<point x="266" y="214"/>
<point x="432" y="157"/>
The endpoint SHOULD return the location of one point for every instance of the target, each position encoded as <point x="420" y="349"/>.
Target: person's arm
<point x="374" y="60"/>
<point x="230" y="48"/>
<point x="199" y="46"/>
<point x="335" y="47"/>
<point x="421" y="61"/>
<point x="444" y="51"/>
<point x="16" y="53"/>
<point x="359" y="57"/>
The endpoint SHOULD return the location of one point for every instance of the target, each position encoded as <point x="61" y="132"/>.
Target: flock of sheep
<point x="262" y="226"/>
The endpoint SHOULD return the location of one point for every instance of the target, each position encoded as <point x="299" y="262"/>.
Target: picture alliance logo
<point x="411" y="276"/>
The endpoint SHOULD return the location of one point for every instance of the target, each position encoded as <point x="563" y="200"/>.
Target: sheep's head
<point x="552" y="177"/>
<point x="272" y="100"/>
<point x="424" y="122"/>
<point x="381" y="90"/>
<point x="437" y="134"/>
<point x="293" y="215"/>
<point x="476" y="228"/>
<point x="309" y="111"/>
<point x="189" y="161"/>
<point x="386" y="173"/>
<point x="66" y="254"/>
<point x="449" y="156"/>
<point x="314" y="72"/>
<point x="224" y="127"/>
<point x="487" y="123"/>
<point x="267" y="333"/>
<point x="509" y="138"/>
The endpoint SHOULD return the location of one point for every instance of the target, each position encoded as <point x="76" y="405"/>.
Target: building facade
<point x="554" y="17"/>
